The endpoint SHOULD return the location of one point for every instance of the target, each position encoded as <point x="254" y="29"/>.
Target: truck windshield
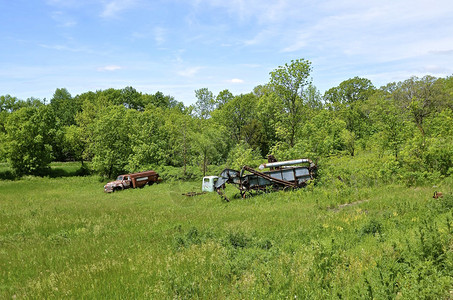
<point x="120" y="178"/>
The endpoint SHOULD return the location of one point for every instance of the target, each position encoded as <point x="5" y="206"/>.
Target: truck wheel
<point x="150" y="183"/>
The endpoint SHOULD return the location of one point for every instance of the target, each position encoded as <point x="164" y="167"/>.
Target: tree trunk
<point x="205" y="158"/>
<point x="422" y="131"/>
<point x="184" y="149"/>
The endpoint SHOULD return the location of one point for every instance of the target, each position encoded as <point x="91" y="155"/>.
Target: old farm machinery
<point x="281" y="175"/>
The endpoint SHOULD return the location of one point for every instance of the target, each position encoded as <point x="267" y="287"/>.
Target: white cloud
<point x="65" y="3"/>
<point x="263" y="11"/>
<point x="73" y="47"/>
<point x="159" y="34"/>
<point x="236" y="80"/>
<point x="62" y="19"/>
<point x="64" y="48"/>
<point x="442" y="52"/>
<point x="385" y="31"/>
<point x="110" y="68"/>
<point x="189" y="72"/>
<point x="112" y="8"/>
<point x="436" y="70"/>
<point x="300" y="43"/>
<point x="262" y="36"/>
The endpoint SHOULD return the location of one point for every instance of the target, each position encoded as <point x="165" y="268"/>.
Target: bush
<point x="177" y="173"/>
<point x="362" y="170"/>
<point x="242" y="155"/>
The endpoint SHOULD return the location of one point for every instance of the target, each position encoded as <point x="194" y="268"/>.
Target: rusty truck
<point x="133" y="180"/>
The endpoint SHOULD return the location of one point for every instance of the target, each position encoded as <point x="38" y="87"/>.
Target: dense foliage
<point x="407" y="126"/>
<point x="367" y="228"/>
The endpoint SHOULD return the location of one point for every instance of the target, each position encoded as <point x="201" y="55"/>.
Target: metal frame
<point x="282" y="175"/>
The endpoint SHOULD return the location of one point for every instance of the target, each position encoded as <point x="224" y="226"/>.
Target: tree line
<point x="408" y="123"/>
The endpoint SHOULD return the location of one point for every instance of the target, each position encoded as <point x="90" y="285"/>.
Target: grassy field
<point x="64" y="238"/>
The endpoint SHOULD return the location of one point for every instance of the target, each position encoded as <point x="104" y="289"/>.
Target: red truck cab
<point x="133" y="180"/>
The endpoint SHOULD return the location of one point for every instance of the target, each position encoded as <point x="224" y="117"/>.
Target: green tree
<point x="3" y="135"/>
<point x="111" y="144"/>
<point x="75" y="144"/>
<point x="205" y="103"/>
<point x="30" y="134"/>
<point x="322" y="136"/>
<point x="243" y="155"/>
<point x="390" y="122"/>
<point x="110" y="96"/>
<point x="439" y="144"/>
<point x="160" y="100"/>
<point x="312" y="98"/>
<point x="65" y="106"/>
<point x="236" y="114"/>
<point x="288" y="82"/>
<point x="348" y="100"/>
<point x="9" y="103"/>
<point x="180" y="129"/>
<point x="208" y="145"/>
<point x="420" y="97"/>
<point x="223" y="98"/>
<point x="269" y="113"/>
<point x="148" y="139"/>
<point x="130" y="98"/>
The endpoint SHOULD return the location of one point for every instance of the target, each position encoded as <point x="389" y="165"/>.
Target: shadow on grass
<point x="68" y="172"/>
<point x="7" y="175"/>
<point x="53" y="172"/>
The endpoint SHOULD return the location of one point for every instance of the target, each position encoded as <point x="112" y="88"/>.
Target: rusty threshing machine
<point x="290" y="174"/>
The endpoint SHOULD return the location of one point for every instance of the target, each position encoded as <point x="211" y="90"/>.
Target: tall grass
<point x="63" y="237"/>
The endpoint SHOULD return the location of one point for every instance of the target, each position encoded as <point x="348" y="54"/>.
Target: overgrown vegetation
<point x="368" y="227"/>
<point x="63" y="237"/>
<point x="407" y="126"/>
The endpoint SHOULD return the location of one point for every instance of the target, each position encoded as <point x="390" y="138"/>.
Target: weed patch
<point x="64" y="237"/>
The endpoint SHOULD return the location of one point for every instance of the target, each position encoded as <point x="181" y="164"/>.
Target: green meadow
<point x="63" y="237"/>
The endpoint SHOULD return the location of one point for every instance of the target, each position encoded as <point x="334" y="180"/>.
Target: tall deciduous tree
<point x="75" y="144"/>
<point x="288" y="82"/>
<point x="205" y="103"/>
<point x="236" y="114"/>
<point x="420" y="97"/>
<point x="208" y="144"/>
<point x="30" y="134"/>
<point x="389" y="122"/>
<point x="348" y="100"/>
<point x="9" y="103"/>
<point x="111" y="144"/>
<point x="312" y="98"/>
<point x="269" y="113"/>
<point x="148" y="139"/>
<point x="160" y="100"/>
<point x="132" y="99"/>
<point x="180" y="129"/>
<point x="223" y="98"/>
<point x="3" y="135"/>
<point x="65" y="106"/>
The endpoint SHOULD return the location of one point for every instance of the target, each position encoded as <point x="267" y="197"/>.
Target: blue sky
<point x="178" y="46"/>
